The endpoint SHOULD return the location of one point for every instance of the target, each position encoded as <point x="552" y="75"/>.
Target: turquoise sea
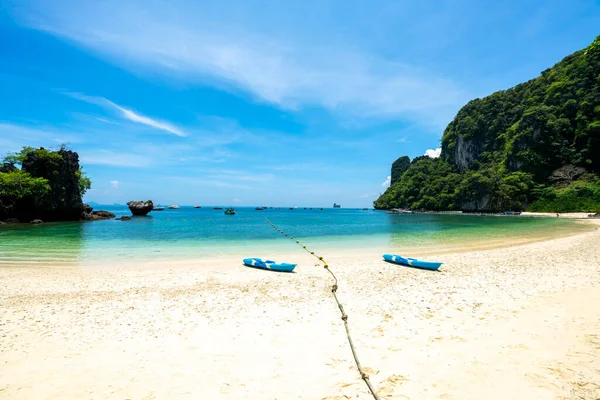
<point x="204" y="233"/>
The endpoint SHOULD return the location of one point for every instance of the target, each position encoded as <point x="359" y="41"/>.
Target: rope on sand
<point x="334" y="288"/>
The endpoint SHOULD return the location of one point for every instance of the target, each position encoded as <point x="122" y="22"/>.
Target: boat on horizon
<point x="174" y="207"/>
<point x="217" y="208"/>
<point x="197" y="207"/>
<point x="335" y="205"/>
<point x="157" y="208"/>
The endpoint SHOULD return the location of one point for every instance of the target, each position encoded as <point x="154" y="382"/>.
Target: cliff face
<point x="506" y="150"/>
<point x="535" y="127"/>
<point x="62" y="202"/>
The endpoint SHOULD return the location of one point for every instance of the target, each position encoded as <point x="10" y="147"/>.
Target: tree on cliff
<point x="398" y="168"/>
<point x="49" y="185"/>
<point x="519" y="148"/>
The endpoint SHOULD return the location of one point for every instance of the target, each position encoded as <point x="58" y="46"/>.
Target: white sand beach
<point x="521" y="322"/>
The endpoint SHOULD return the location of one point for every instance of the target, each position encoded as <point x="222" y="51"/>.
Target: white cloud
<point x="110" y="158"/>
<point x="190" y="42"/>
<point x="433" y="153"/>
<point x="236" y="200"/>
<point x="129" y="114"/>
<point x="115" y="184"/>
<point x="387" y="181"/>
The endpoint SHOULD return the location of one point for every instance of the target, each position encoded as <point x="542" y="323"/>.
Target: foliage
<point x="428" y="183"/>
<point x="85" y="183"/>
<point x="18" y="184"/>
<point x="533" y="144"/>
<point x="399" y="167"/>
<point x="18" y="158"/>
<point x="581" y="195"/>
<point x="537" y="126"/>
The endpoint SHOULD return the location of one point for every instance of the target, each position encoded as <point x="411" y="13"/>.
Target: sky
<point x="277" y="103"/>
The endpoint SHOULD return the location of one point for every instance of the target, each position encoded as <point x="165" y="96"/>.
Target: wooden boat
<point x="412" y="262"/>
<point x="268" y="264"/>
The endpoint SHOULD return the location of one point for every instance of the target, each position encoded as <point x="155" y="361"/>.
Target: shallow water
<point x="190" y="233"/>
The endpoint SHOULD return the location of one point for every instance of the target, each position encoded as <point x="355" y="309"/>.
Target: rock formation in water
<point x="48" y="186"/>
<point x="140" y="207"/>
<point x="97" y="215"/>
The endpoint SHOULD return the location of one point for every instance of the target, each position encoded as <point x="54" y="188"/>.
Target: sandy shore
<point x="516" y="323"/>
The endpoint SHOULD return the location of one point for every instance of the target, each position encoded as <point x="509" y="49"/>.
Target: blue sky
<point x="291" y="103"/>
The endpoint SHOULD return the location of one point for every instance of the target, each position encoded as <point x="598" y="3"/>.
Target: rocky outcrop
<point x="11" y="221"/>
<point x="87" y="209"/>
<point x="140" y="207"/>
<point x="62" y="202"/>
<point x="123" y="218"/>
<point x="7" y="167"/>
<point x="97" y="215"/>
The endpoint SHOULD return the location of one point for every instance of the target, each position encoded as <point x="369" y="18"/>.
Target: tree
<point x="85" y="183"/>
<point x="18" y="158"/>
<point x="18" y="184"/>
<point x="563" y="176"/>
<point x="398" y="168"/>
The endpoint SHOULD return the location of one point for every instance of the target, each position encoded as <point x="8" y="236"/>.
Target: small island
<point x="41" y="185"/>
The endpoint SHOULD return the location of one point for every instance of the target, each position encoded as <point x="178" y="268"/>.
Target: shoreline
<point x="340" y="249"/>
<point x="587" y="216"/>
<point x="528" y="316"/>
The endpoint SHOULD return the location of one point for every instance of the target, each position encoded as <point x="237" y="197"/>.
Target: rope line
<point x="364" y="376"/>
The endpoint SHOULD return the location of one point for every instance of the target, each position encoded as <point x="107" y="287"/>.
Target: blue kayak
<point x="268" y="264"/>
<point x="412" y="262"/>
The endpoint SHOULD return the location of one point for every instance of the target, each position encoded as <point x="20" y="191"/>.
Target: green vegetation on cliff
<point x="48" y="185"/>
<point x="509" y="150"/>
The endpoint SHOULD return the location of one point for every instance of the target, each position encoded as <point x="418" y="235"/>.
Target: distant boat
<point x="412" y="262"/>
<point x="217" y="208"/>
<point x="174" y="207"/>
<point x="259" y="208"/>
<point x="268" y="264"/>
<point x="335" y="205"/>
<point x="229" y="211"/>
<point x="365" y="208"/>
<point x="197" y="207"/>
<point x="158" y="208"/>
